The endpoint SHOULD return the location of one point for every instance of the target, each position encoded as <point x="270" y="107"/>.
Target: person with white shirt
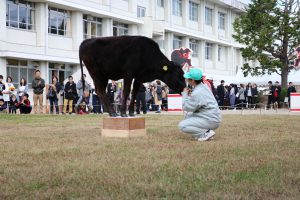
<point x="22" y="89"/>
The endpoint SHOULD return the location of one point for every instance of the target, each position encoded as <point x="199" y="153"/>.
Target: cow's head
<point x="172" y="75"/>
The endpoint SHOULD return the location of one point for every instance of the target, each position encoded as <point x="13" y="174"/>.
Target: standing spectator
<point x="276" y="94"/>
<point x="242" y="96"/>
<point x="2" y="87"/>
<point x="221" y="94"/>
<point x="149" y="97"/>
<point x="270" y="97"/>
<point x="111" y="89"/>
<point x="24" y="105"/>
<point x="38" y="85"/>
<point x="96" y="103"/>
<point x="9" y="88"/>
<point x="141" y="99"/>
<point x="290" y="90"/>
<point x="165" y="93"/>
<point x="254" y="95"/>
<point x="12" y="105"/>
<point x="226" y="97"/>
<point x="232" y="96"/>
<point x="249" y="95"/>
<point x="70" y="93"/>
<point x="53" y="91"/>
<point x="119" y="99"/>
<point x="84" y="96"/>
<point x="213" y="89"/>
<point x="158" y="96"/>
<point x="23" y="89"/>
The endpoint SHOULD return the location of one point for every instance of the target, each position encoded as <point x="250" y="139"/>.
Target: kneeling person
<point x="24" y="105"/>
<point x="203" y="111"/>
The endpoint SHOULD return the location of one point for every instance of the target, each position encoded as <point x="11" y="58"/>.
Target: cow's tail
<point x="82" y="78"/>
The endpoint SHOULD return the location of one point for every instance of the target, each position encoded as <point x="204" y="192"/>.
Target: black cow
<point x="127" y="58"/>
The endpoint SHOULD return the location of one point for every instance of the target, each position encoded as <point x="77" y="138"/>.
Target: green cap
<point x="194" y="73"/>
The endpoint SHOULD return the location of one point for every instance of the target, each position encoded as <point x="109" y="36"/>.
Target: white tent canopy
<point x="293" y="76"/>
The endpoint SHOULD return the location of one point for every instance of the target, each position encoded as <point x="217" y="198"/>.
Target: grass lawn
<point x="65" y="157"/>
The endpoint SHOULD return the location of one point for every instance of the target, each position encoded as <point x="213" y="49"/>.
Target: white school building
<point x="46" y="34"/>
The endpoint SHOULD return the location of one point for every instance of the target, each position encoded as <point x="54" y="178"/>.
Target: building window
<point x="19" y="69"/>
<point x="177" y="7"/>
<point x="120" y="28"/>
<point x="221" y="54"/>
<point x="193" y="9"/>
<point x="141" y="11"/>
<point x="160" y="3"/>
<point x="177" y="42"/>
<point x="60" y="71"/>
<point x="92" y="27"/>
<point x="221" y="21"/>
<point x="208" y="16"/>
<point x="208" y="51"/>
<point x="20" y="14"/>
<point x="194" y="47"/>
<point x="59" y="21"/>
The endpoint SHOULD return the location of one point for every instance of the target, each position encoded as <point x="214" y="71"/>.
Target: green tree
<point x="270" y="30"/>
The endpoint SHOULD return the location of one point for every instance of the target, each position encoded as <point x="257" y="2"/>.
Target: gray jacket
<point x="80" y="88"/>
<point x="202" y="104"/>
<point x="38" y="88"/>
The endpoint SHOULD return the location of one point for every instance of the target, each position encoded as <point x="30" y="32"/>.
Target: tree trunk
<point x="284" y="76"/>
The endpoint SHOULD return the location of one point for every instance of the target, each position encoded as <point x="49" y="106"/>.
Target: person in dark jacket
<point x="53" y="90"/>
<point x="270" y="97"/>
<point x="254" y="95"/>
<point x="12" y="104"/>
<point x="290" y="90"/>
<point x="24" y="105"/>
<point x="221" y="93"/>
<point x="70" y="93"/>
<point x="111" y="89"/>
<point x="2" y="87"/>
<point x="38" y="85"/>
<point x="141" y="99"/>
<point x="276" y="94"/>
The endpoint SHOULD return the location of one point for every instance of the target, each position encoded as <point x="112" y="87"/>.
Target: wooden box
<point x="123" y="127"/>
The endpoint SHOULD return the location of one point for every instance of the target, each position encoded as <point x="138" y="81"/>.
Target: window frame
<point x="141" y="11"/>
<point x="30" y="15"/>
<point x="208" y="50"/>
<point x="97" y="21"/>
<point x="193" y="11"/>
<point x="120" y="26"/>
<point x="208" y="16"/>
<point x="178" y="39"/>
<point x="177" y="8"/>
<point x="19" y="67"/>
<point x="65" y="15"/>
<point x="194" y="46"/>
<point x="161" y="3"/>
<point x="223" y="16"/>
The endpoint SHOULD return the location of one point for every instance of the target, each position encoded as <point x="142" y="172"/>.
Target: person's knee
<point x="182" y="126"/>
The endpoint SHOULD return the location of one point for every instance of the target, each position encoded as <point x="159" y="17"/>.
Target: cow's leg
<point x="136" y="87"/>
<point x="101" y="92"/>
<point x="126" y="92"/>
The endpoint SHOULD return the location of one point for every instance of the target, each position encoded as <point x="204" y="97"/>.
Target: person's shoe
<point x="144" y="113"/>
<point x="157" y="112"/>
<point x="138" y="113"/>
<point x="206" y="136"/>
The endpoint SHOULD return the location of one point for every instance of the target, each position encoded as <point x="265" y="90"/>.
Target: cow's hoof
<point x="124" y="115"/>
<point x="113" y="114"/>
<point x="131" y="114"/>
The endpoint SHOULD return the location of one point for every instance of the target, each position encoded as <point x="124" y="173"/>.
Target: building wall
<point x="41" y="48"/>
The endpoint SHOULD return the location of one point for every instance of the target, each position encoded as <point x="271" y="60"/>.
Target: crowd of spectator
<point x="150" y="97"/>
